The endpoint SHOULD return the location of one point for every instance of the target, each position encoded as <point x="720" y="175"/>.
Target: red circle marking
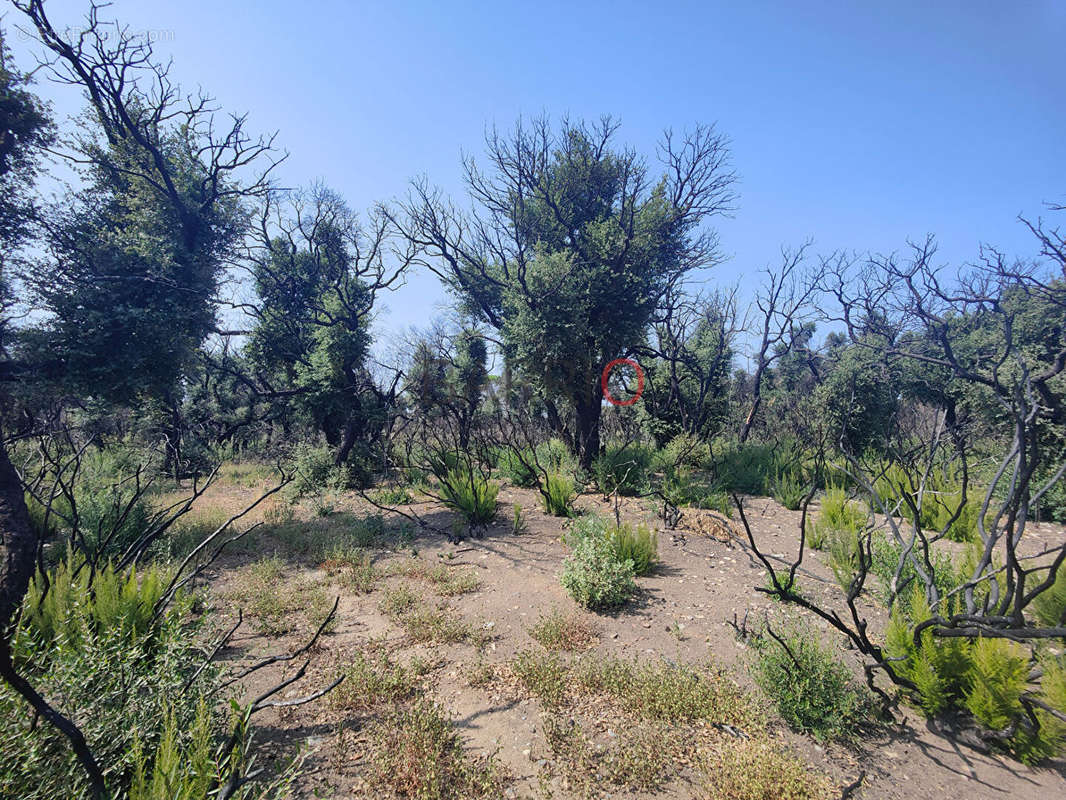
<point x="640" y="381"/>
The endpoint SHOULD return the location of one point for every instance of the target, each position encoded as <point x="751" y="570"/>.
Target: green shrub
<point x="884" y="560"/>
<point x="941" y="499"/>
<point x="639" y="545"/>
<point x="558" y="494"/>
<point x="623" y="468"/>
<point x="518" y="468"/>
<point x="984" y="676"/>
<point x="392" y="496"/>
<point x="1049" y="607"/>
<point x="314" y="472"/>
<point x="684" y="450"/>
<point x="837" y="513"/>
<point x="745" y="468"/>
<point x="471" y="494"/>
<point x="789" y="488"/>
<point x="810" y="686"/>
<point x="122" y="674"/>
<point x="594" y="577"/>
<point x="553" y="455"/>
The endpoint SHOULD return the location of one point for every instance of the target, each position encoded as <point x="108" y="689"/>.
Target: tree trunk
<point x="587" y="433"/>
<point x="18" y="544"/>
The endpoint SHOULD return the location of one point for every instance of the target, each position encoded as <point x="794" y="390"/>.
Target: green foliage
<point x="558" y="494"/>
<point x="123" y="605"/>
<point x="519" y="468"/>
<point x="593" y="575"/>
<point x="465" y="490"/>
<point x="314" y="471"/>
<point x="836" y="514"/>
<point x="789" y="488"/>
<point x="1049" y="607"/>
<point x="940" y="502"/>
<point x="941" y="668"/>
<point x="884" y="561"/>
<point x="1000" y="670"/>
<point x="122" y="675"/>
<point x="623" y="467"/>
<point x="810" y="686"/>
<point x="392" y="496"/>
<point x="638" y="544"/>
<point x="751" y="468"/>
<point x="684" y="450"/>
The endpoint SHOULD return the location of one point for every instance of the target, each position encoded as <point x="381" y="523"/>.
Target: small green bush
<point x="594" y="577"/>
<point x="789" y="489"/>
<point x="471" y="494"/>
<point x="558" y="494"/>
<point x="518" y="468"/>
<point x="810" y="686"/>
<point x="684" y="450"/>
<point x="1049" y="607"/>
<point x="639" y="545"/>
<point x="314" y="471"/>
<point x="838" y="514"/>
<point x="623" y="468"/>
<point x="745" y="468"/>
<point x="392" y="496"/>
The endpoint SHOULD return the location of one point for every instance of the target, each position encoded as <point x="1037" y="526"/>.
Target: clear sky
<point x="855" y="124"/>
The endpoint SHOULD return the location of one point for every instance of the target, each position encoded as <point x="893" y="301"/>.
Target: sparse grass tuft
<point x="262" y="590"/>
<point x="373" y="681"/>
<point x="449" y="582"/>
<point x="640" y="757"/>
<point x="759" y="769"/>
<point x="671" y="692"/>
<point x="559" y="631"/>
<point x="354" y="568"/>
<point x="541" y="674"/>
<point x="417" y="754"/>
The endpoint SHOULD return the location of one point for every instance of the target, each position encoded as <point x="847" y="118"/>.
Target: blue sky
<point x="856" y="125"/>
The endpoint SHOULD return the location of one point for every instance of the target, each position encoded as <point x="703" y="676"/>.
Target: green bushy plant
<point x="812" y="689"/>
<point x="745" y="468"/>
<point x="471" y="494"/>
<point x="623" y="467"/>
<point x="518" y="468"/>
<point x="789" y="488"/>
<point x="684" y="450"/>
<point x="593" y="575"/>
<point x="124" y="674"/>
<point x="314" y="471"/>
<point x="558" y="494"/>
<point x="837" y="513"/>
<point x="1049" y="607"/>
<point x="638" y="544"/>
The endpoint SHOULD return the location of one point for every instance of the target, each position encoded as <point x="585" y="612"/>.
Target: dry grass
<point x="759" y="769"/>
<point x="416" y="753"/>
<point x="559" y="631"/>
<point x="278" y="603"/>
